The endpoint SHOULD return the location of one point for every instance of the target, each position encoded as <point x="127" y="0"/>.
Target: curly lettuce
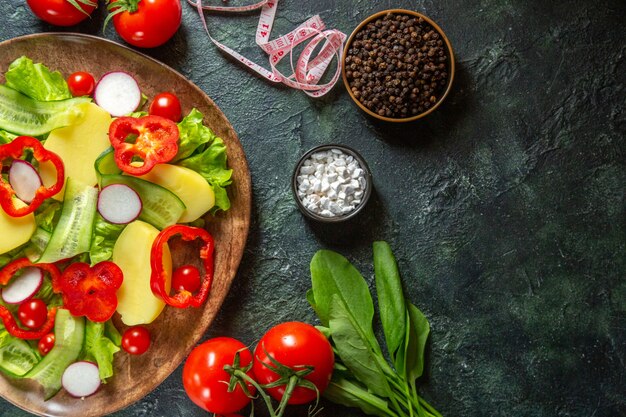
<point x="203" y="151"/>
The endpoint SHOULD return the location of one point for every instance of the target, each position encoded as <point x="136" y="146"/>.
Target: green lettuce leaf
<point x="201" y="150"/>
<point x="99" y="348"/>
<point x="36" y="81"/>
<point x="105" y="235"/>
<point x="193" y="134"/>
<point x="47" y="215"/>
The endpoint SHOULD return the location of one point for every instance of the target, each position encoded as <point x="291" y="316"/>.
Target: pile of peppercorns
<point x="397" y="66"/>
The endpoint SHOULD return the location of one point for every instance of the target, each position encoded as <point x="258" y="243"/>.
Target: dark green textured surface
<point x="505" y="208"/>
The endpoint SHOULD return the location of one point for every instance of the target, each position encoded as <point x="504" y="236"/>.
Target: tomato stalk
<point x="115" y="7"/>
<point x="289" y="377"/>
<point x="76" y="4"/>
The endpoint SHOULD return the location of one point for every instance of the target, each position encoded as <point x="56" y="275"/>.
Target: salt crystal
<point x="306" y="170"/>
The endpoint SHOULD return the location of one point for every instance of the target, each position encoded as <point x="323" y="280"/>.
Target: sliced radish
<point x="119" y="204"/>
<point x="24" y="286"/>
<point x="118" y="93"/>
<point x="81" y="379"/>
<point x="24" y="180"/>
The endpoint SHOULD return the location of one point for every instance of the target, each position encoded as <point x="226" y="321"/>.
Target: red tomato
<point x="60" y="12"/>
<point x="46" y="344"/>
<point x="136" y="340"/>
<point x="33" y="313"/>
<point x="166" y="105"/>
<point x="294" y="345"/>
<point x="81" y="84"/>
<point x="187" y="278"/>
<point x="152" y="24"/>
<point x="206" y="381"/>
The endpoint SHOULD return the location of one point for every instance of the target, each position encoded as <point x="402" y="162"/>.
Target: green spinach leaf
<point x="332" y="274"/>
<point x="355" y="350"/>
<point x="391" y="304"/>
<point x="416" y="343"/>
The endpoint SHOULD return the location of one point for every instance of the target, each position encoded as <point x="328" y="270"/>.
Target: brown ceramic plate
<point x="175" y="332"/>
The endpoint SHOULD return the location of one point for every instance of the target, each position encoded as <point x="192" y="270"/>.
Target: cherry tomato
<point x="60" y="12"/>
<point x="136" y="340"/>
<point x="33" y="313"/>
<point x="186" y="278"/>
<point x="206" y="381"/>
<point x="46" y="344"/>
<point x="166" y="105"/>
<point x="294" y="344"/>
<point x="152" y="24"/>
<point x="81" y="83"/>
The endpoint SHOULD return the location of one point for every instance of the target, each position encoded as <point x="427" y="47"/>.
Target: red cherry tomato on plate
<point x="294" y="345"/>
<point x="81" y="83"/>
<point x="33" y="313"/>
<point x="152" y="24"/>
<point x="206" y="381"/>
<point x="60" y="12"/>
<point x="46" y="344"/>
<point x="166" y="105"/>
<point x="136" y="340"/>
<point x="187" y="278"/>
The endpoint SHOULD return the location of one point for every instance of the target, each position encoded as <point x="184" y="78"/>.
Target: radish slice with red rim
<point x="118" y="93"/>
<point x="24" y="180"/>
<point x="24" y="286"/>
<point x="81" y="379"/>
<point x="119" y="204"/>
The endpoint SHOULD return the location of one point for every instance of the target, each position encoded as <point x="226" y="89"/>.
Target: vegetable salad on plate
<point x="92" y="190"/>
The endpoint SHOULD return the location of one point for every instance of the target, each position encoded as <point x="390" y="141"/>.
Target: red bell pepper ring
<point x="142" y="142"/>
<point x="12" y="267"/>
<point x="15" y="150"/>
<point x="90" y="291"/>
<point x="158" y="278"/>
<point x="14" y="330"/>
<point x="6" y="274"/>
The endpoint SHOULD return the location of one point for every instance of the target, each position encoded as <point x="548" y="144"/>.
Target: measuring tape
<point x="307" y="71"/>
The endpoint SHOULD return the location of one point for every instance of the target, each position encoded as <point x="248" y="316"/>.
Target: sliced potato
<point x="78" y="146"/>
<point x="135" y="301"/>
<point x="188" y="185"/>
<point x="15" y="230"/>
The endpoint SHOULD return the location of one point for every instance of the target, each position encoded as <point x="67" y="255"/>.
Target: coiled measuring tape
<point x="308" y="70"/>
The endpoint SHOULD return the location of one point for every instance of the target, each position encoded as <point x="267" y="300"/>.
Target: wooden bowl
<point x="450" y="65"/>
<point x="176" y="331"/>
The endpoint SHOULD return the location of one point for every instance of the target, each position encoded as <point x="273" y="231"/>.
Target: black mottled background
<point x="505" y="207"/>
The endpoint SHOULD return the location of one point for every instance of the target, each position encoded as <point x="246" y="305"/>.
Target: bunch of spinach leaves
<point x="363" y="376"/>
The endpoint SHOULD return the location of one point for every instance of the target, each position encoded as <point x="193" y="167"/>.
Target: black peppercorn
<point x="397" y="66"/>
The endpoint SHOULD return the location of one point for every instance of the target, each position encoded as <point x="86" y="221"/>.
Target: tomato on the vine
<point x="136" y="340"/>
<point x="61" y="12"/>
<point x="186" y="278"/>
<point x="295" y="345"/>
<point x="166" y="105"/>
<point x="206" y="381"/>
<point x="33" y="313"/>
<point x="46" y="344"/>
<point x="146" y="23"/>
<point x="81" y="83"/>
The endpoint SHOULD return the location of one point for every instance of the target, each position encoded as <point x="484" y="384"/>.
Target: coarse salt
<point x="331" y="183"/>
